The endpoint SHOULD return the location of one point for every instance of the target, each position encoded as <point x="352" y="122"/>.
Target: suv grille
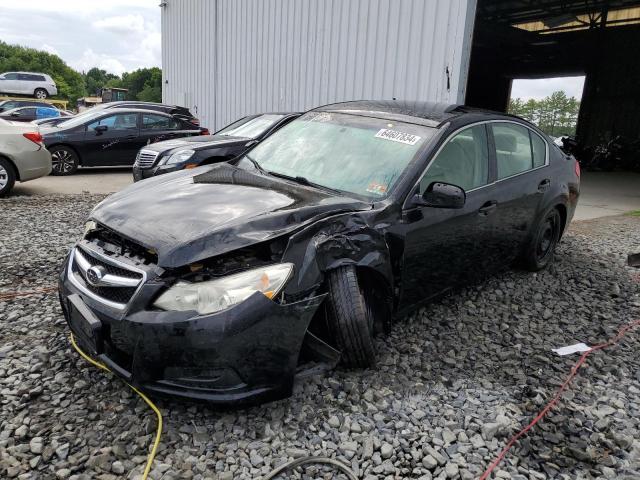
<point x="146" y="158"/>
<point x="103" y="278"/>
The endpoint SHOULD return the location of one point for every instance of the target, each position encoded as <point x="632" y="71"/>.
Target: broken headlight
<point x="89" y="227"/>
<point x="179" y="157"/>
<point x="214" y="295"/>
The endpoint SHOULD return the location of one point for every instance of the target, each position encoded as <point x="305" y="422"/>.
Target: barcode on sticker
<point x="396" y="136"/>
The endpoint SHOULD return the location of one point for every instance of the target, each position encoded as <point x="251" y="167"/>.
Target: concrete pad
<point x="607" y="193"/>
<point x="91" y="180"/>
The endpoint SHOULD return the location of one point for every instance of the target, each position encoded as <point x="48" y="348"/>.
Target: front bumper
<point x="245" y="354"/>
<point x="142" y="173"/>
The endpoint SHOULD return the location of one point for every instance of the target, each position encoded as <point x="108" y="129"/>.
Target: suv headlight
<point x="215" y="295"/>
<point x="179" y="157"/>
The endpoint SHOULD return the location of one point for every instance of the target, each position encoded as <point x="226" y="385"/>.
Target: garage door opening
<point x="559" y="38"/>
<point x="553" y="104"/>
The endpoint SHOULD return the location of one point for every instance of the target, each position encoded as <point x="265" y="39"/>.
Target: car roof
<point x="432" y="114"/>
<point x="35" y="73"/>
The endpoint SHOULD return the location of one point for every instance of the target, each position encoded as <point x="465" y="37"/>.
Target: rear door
<point x="522" y="178"/>
<point x="25" y="83"/>
<point x="114" y="146"/>
<point x="26" y="114"/>
<point x="156" y="127"/>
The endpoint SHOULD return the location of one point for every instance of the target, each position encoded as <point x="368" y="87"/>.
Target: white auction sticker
<point x="396" y="136"/>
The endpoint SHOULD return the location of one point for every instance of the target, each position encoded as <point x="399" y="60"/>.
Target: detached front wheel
<point x="351" y="315"/>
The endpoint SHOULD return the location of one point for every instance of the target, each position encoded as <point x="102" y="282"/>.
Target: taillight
<point x="577" y="169"/>
<point x="35" y="137"/>
<point x="204" y="131"/>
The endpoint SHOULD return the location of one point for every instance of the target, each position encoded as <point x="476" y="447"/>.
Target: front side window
<point x="517" y="149"/>
<point x="11" y="76"/>
<point x="120" y="121"/>
<point x="159" y="122"/>
<point x="355" y="154"/>
<point x="251" y="128"/>
<point x="463" y="161"/>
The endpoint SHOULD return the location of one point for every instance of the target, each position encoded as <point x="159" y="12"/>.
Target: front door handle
<point x="544" y="185"/>
<point x="487" y="208"/>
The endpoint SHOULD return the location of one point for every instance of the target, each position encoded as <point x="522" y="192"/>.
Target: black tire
<point x="7" y="176"/>
<point x="539" y="253"/>
<point x="351" y="317"/>
<point x="64" y="160"/>
<point x="40" y="93"/>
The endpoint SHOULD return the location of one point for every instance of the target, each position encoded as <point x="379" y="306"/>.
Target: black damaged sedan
<point x="216" y="283"/>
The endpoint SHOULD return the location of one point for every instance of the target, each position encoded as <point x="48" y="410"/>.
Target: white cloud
<point x="122" y="24"/>
<point x="92" y="59"/>
<point x="543" y="87"/>
<point x="49" y="49"/>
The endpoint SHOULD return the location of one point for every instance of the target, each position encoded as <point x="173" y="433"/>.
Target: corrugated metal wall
<point x="228" y="58"/>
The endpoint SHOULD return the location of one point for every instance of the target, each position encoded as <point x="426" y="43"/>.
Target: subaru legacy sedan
<point x="219" y="282"/>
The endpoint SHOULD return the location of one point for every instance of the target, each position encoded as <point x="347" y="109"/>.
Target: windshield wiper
<point x="304" y="181"/>
<point x="255" y="164"/>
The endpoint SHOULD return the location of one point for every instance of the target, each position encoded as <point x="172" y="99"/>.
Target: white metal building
<point x="228" y="58"/>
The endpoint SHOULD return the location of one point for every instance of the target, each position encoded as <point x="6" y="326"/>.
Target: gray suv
<point x="40" y="85"/>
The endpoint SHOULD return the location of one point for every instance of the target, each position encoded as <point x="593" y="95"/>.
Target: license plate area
<point x="85" y="324"/>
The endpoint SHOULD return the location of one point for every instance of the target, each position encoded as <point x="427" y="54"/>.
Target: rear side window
<point x="514" y="150"/>
<point x="159" y="122"/>
<point x="539" y="150"/>
<point x="119" y="121"/>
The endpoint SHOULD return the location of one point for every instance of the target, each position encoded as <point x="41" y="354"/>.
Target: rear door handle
<point x="487" y="208"/>
<point x="544" y="185"/>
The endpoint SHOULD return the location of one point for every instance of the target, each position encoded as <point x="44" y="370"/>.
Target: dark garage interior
<point x="552" y="38"/>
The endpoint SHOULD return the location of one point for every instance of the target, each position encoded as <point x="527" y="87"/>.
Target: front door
<point x="446" y="247"/>
<point x="111" y="140"/>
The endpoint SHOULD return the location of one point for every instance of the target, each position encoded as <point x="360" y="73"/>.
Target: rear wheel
<point x="352" y="316"/>
<point x="64" y="161"/>
<point x="41" y="93"/>
<point x="539" y="252"/>
<point x="7" y="177"/>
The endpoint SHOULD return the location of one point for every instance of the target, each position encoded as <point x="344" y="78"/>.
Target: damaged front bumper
<point x="247" y="353"/>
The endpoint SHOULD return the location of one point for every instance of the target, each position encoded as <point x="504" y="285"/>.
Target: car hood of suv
<point x="196" y="214"/>
<point x="198" y="142"/>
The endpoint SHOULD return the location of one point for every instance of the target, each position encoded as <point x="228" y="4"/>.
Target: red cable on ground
<point x="574" y="370"/>
<point x="10" y="295"/>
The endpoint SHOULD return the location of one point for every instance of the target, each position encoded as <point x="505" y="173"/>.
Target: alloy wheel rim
<point x="4" y="177"/>
<point x="62" y="161"/>
<point x="40" y="94"/>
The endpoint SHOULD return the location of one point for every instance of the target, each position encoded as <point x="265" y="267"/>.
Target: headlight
<point x="180" y="156"/>
<point x="89" y="227"/>
<point x="215" y="295"/>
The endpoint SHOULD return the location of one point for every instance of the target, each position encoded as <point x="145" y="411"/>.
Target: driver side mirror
<point x="15" y="114"/>
<point x="441" y="195"/>
<point x="100" y="129"/>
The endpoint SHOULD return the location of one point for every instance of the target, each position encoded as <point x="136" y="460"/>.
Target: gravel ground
<point x="455" y="380"/>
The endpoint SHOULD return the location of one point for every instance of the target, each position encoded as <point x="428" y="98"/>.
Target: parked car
<point x="11" y="104"/>
<point x="64" y="115"/>
<point x="190" y="152"/>
<point x="40" y="85"/>
<point x="110" y="137"/>
<point x="29" y="114"/>
<point x="180" y="112"/>
<point x="211" y="283"/>
<point x="23" y="156"/>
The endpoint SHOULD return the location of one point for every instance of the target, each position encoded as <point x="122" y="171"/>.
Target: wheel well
<point x="563" y="216"/>
<point x="68" y="146"/>
<point x="13" y="166"/>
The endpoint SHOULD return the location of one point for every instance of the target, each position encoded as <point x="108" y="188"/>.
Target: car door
<point x="446" y="247"/>
<point x="24" y="84"/>
<point x="522" y="178"/>
<point x="25" y="114"/>
<point x="157" y="127"/>
<point x="9" y="83"/>
<point x="111" y="140"/>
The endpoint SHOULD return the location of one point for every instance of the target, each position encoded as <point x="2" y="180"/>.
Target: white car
<point x="23" y="156"/>
<point x="40" y="85"/>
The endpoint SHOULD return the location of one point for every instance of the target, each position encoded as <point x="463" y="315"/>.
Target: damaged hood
<point x="198" y="142"/>
<point x="196" y="214"/>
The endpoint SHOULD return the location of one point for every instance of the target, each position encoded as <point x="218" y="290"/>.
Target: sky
<point x="540" y="88"/>
<point x="115" y="35"/>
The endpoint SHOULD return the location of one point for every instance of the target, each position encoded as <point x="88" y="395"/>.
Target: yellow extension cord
<point x="156" y="442"/>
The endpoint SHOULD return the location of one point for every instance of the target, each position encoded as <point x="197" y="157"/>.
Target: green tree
<point x="556" y="114"/>
<point x="96" y="78"/>
<point x="16" y="58"/>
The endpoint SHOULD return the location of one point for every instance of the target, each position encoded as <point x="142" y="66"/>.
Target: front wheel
<point x="41" y="93"/>
<point x="351" y="316"/>
<point x="64" y="161"/>
<point x="539" y="252"/>
<point x="7" y="177"/>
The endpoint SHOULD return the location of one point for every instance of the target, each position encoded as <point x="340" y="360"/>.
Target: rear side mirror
<point x="101" y="129"/>
<point x="441" y="195"/>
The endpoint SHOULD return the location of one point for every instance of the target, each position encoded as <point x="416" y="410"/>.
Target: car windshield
<point x="80" y="119"/>
<point x="252" y="127"/>
<point x="360" y="155"/>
